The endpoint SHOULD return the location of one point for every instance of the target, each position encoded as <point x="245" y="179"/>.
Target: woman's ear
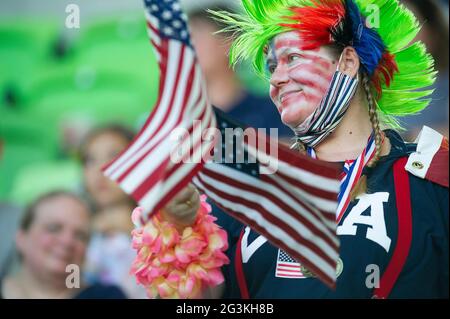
<point x="349" y="62"/>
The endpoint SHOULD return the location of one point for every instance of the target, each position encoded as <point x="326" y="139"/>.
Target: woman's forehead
<point x="288" y="35"/>
<point x="289" y="39"/>
<point x="61" y="208"/>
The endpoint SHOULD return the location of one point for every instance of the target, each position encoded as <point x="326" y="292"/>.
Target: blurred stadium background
<point x="57" y="83"/>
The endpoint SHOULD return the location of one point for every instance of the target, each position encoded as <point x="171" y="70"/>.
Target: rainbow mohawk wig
<point x="399" y="70"/>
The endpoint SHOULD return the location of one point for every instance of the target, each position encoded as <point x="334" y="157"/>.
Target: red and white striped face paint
<point x="299" y="78"/>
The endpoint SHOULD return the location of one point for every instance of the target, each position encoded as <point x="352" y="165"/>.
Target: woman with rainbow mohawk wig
<point x="341" y="72"/>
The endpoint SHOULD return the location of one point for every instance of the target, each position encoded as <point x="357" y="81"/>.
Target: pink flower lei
<point x="170" y="265"/>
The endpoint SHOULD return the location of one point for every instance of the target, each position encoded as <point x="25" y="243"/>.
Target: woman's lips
<point x="63" y="257"/>
<point x="288" y="98"/>
<point x="285" y="96"/>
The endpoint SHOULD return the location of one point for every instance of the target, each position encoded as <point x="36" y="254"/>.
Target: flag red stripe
<point x="270" y="180"/>
<point x="157" y="48"/>
<point x="154" y="178"/>
<point x="290" y="270"/>
<point x="150" y="25"/>
<point x="315" y="191"/>
<point x="267" y="216"/>
<point x="180" y="185"/>
<point x="193" y="149"/>
<point x="167" y="114"/>
<point x="150" y="181"/>
<point x="266" y="194"/>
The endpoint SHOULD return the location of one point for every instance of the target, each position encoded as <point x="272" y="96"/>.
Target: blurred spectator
<point x="225" y="89"/>
<point x="435" y="35"/>
<point x="112" y="207"/>
<point x="110" y="255"/>
<point x="53" y="234"/>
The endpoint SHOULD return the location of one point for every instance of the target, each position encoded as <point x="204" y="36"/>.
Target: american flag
<point x="145" y="170"/>
<point x="288" y="198"/>
<point x="293" y="206"/>
<point x="287" y="267"/>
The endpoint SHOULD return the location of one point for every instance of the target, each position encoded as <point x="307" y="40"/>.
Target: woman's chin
<point x="290" y="120"/>
<point x="57" y="264"/>
<point x="294" y="115"/>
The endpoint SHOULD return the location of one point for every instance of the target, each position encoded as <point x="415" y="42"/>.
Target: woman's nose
<point x="67" y="239"/>
<point x="279" y="76"/>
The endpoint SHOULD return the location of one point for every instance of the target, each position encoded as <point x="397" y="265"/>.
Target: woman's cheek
<point x="313" y="97"/>
<point x="79" y="252"/>
<point x="47" y="239"/>
<point x="311" y="78"/>
<point x="39" y="247"/>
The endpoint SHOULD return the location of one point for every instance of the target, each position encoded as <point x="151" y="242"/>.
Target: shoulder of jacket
<point x="429" y="160"/>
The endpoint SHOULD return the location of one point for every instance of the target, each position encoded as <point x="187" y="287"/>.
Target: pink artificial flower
<point x="189" y="287"/>
<point x="171" y="265"/>
<point x="136" y="216"/>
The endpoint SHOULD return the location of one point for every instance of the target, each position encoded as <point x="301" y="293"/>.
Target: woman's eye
<point x="293" y="57"/>
<point x="271" y="68"/>
<point x="53" y="228"/>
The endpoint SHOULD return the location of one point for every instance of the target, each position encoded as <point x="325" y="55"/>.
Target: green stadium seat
<point x="39" y="178"/>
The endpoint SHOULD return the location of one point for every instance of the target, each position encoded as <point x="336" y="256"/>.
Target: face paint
<point x="294" y="43"/>
<point x="299" y="79"/>
<point x="311" y="95"/>
<point x="312" y="77"/>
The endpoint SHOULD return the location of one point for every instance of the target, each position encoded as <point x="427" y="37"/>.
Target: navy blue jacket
<point x="368" y="237"/>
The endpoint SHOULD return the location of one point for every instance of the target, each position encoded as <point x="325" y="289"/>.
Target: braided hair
<point x="361" y="186"/>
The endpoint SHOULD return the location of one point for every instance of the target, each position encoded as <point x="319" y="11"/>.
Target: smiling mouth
<point x="285" y="95"/>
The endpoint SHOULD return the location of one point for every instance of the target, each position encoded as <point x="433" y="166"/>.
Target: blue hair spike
<point x="366" y="41"/>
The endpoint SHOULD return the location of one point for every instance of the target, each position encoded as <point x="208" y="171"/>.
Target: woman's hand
<point x="182" y="209"/>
